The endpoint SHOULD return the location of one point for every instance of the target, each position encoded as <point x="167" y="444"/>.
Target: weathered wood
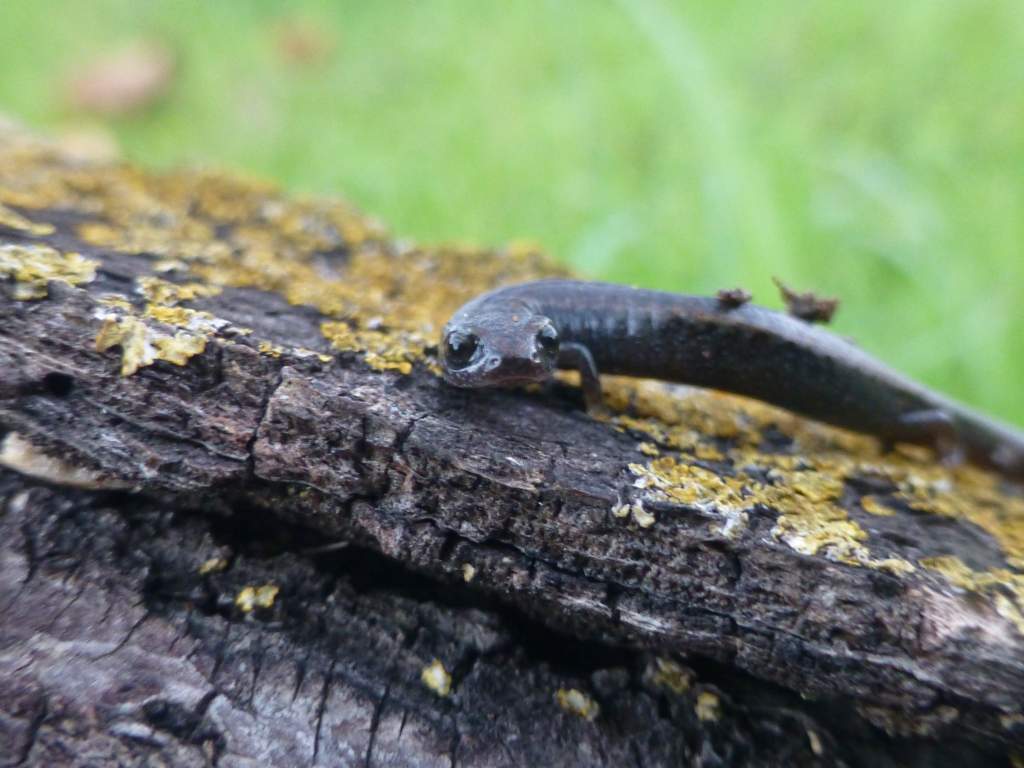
<point x="239" y="380"/>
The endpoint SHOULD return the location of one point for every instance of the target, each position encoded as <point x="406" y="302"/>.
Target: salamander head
<point x="493" y="348"/>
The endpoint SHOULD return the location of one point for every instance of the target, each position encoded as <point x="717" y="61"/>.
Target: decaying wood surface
<point x="245" y="523"/>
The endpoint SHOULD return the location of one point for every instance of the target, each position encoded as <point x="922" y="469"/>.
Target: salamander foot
<point x="936" y="429"/>
<point x="577" y="356"/>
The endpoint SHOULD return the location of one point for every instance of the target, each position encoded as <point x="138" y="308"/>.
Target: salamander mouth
<point x="473" y="380"/>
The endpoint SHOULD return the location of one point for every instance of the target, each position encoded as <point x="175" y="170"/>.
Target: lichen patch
<point x="10" y="219"/>
<point x="115" y="301"/>
<point x="380" y="299"/>
<point x="1004" y="588"/>
<point x="874" y="506"/>
<point x="708" y="707"/>
<point x="578" y="703"/>
<point x="666" y="673"/>
<point x="383" y="351"/>
<point x="714" y="456"/>
<point x="168" y="294"/>
<point x="32" y="267"/>
<point x="250" y="598"/>
<point x="142" y="345"/>
<point x="212" y="565"/>
<point x="436" y="678"/>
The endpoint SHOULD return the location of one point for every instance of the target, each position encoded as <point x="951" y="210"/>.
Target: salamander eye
<point x="547" y="339"/>
<point x="459" y="349"/>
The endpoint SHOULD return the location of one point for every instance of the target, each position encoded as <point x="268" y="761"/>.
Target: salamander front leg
<point x="578" y="357"/>
<point x="937" y="429"/>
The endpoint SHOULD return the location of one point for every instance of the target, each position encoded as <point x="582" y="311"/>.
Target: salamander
<point x="522" y="333"/>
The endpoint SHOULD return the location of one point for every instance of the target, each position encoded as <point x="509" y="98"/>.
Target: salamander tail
<point x="992" y="444"/>
<point x="1009" y="460"/>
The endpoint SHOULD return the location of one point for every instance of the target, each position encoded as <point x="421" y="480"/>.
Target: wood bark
<point x="394" y="521"/>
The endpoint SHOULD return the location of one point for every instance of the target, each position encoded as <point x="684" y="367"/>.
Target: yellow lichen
<point x="383" y="351"/>
<point x="129" y="333"/>
<point x="806" y="484"/>
<point x="219" y="231"/>
<point x="684" y="483"/>
<point x="973" y="495"/>
<point x="578" y="703"/>
<point x="116" y="301"/>
<point x="708" y="707"/>
<point x="31" y="267"/>
<point x="169" y="265"/>
<point x="250" y="598"/>
<point x="142" y="345"/>
<point x="180" y="316"/>
<point x="303" y="352"/>
<point x="14" y="220"/>
<point x="670" y="674"/>
<point x="268" y="348"/>
<point x="956" y="572"/>
<point x="213" y="565"/>
<point x="874" y="506"/>
<point x="179" y="348"/>
<point x="166" y="293"/>
<point x="436" y="678"/>
<point x="641" y="516"/>
<point x="1004" y="587"/>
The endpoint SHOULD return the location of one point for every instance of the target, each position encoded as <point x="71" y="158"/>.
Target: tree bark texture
<point x="244" y="522"/>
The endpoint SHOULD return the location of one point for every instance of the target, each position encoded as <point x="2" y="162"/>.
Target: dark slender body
<point x="521" y="333"/>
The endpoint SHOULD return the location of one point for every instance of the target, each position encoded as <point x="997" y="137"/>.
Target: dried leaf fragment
<point x="731" y="298"/>
<point x="303" y="42"/>
<point x="807" y="306"/>
<point x="125" y="80"/>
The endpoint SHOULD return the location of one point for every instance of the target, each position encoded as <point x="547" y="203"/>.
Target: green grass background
<point x="872" y="150"/>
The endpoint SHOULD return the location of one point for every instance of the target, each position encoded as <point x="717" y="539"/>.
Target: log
<point x="246" y="523"/>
